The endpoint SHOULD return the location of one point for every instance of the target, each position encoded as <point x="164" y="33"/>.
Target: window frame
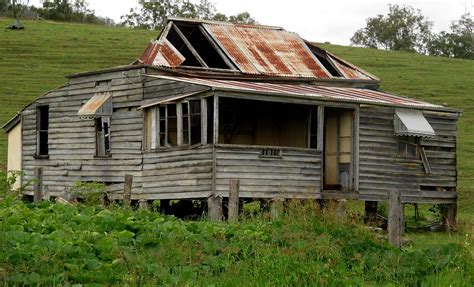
<point x="42" y="110"/>
<point x="407" y="141"/>
<point x="155" y="138"/>
<point x="102" y="149"/>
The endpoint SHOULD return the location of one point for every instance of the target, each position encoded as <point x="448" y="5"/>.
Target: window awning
<point x="412" y="123"/>
<point x="99" y="105"/>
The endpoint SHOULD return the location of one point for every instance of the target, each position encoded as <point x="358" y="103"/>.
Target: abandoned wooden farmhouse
<point x="208" y="102"/>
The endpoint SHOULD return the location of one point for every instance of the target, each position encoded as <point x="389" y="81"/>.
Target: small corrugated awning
<point x="99" y="105"/>
<point x="409" y="122"/>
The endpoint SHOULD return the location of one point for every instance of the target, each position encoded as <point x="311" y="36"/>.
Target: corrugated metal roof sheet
<point x="309" y="91"/>
<point x="267" y="51"/>
<point x="162" y="53"/>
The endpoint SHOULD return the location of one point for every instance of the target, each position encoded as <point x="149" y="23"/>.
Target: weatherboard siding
<point x="380" y="170"/>
<point x="71" y="140"/>
<point x="295" y="175"/>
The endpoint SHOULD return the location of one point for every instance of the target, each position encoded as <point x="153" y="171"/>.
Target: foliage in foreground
<point x="59" y="244"/>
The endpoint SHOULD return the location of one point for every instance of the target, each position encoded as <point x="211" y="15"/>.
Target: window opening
<point x="195" y="121"/>
<point x="313" y="128"/>
<point x="42" y="120"/>
<point x="102" y="125"/>
<point x="408" y="147"/>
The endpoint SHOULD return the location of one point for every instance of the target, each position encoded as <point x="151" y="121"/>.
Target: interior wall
<point x="250" y="122"/>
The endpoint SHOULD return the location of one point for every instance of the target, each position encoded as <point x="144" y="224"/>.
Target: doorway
<point x="338" y="149"/>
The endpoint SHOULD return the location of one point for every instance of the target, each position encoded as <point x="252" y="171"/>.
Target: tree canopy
<point x="402" y="29"/>
<point x="406" y="29"/>
<point x="152" y="14"/>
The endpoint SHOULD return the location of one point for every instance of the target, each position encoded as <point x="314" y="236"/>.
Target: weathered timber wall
<point x="178" y="173"/>
<point x="295" y="175"/>
<point x="72" y="140"/>
<point x="381" y="170"/>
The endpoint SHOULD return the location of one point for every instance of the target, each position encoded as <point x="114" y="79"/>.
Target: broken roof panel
<point x="353" y="95"/>
<point x="162" y="53"/>
<point x="268" y="51"/>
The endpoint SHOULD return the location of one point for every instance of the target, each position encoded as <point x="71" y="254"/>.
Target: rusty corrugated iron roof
<point x="267" y="51"/>
<point x="353" y="95"/>
<point x="162" y="53"/>
<point x="255" y="50"/>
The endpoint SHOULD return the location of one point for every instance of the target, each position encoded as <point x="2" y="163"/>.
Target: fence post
<point x="394" y="217"/>
<point x="127" y="190"/>
<point x="234" y="186"/>
<point x="38" y="188"/>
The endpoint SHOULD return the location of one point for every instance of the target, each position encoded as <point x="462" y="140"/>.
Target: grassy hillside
<point x="36" y="59"/>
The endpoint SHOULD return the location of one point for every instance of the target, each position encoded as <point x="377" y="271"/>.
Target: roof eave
<point x="12" y="123"/>
<point x="133" y="66"/>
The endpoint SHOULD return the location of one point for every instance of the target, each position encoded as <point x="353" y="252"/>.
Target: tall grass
<point x="46" y="243"/>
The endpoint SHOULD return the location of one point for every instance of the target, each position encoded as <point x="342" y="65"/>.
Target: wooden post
<point x="38" y="188"/>
<point x="276" y="207"/>
<point x="234" y="186"/>
<point x="214" y="208"/>
<point x="127" y="190"/>
<point x="394" y="217"/>
<point x="451" y="216"/>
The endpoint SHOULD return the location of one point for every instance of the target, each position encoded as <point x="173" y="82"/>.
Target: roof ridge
<point x="215" y="22"/>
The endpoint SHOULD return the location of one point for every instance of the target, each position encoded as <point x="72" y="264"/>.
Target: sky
<point x="333" y="21"/>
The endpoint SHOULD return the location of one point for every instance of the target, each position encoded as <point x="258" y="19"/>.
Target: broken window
<point x="42" y="121"/>
<point x="102" y="132"/>
<point x="249" y="122"/>
<point x="408" y="147"/>
<point x="173" y="124"/>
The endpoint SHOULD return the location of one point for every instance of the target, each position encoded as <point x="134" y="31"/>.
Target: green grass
<point x="55" y="244"/>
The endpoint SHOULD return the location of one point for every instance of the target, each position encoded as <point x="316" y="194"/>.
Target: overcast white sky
<point x="334" y="21"/>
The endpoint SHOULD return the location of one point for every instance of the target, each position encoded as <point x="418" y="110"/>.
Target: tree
<point x="152" y="14"/>
<point x="457" y="43"/>
<point x="69" y="10"/>
<point x="16" y="8"/>
<point x="243" y="18"/>
<point x="402" y="29"/>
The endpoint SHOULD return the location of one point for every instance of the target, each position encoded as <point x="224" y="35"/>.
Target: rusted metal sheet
<point x="99" y="105"/>
<point x="267" y="51"/>
<point x="350" y="71"/>
<point x="352" y="95"/>
<point x="162" y="53"/>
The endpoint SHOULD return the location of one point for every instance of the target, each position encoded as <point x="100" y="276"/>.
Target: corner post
<point x="451" y="215"/>
<point x="214" y="208"/>
<point x="127" y="190"/>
